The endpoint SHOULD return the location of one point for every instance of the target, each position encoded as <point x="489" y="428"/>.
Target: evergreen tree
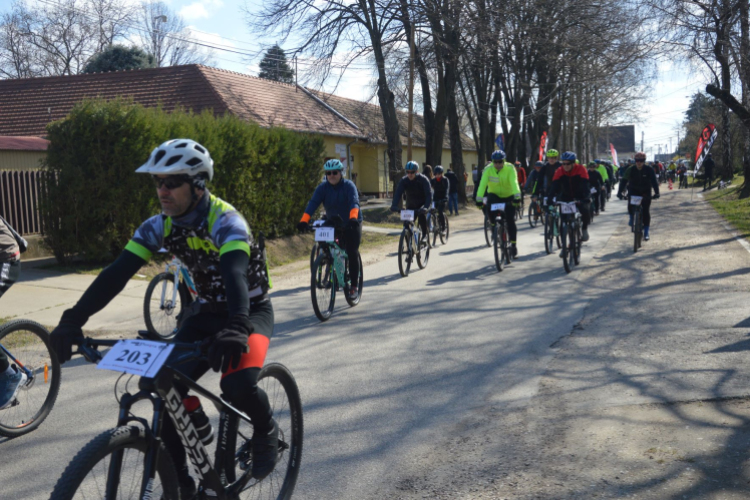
<point x="273" y="66"/>
<point x="118" y="58"/>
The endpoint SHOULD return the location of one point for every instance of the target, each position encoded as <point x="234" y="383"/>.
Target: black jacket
<point x="548" y="171"/>
<point x="709" y="165"/>
<point x="641" y="181"/>
<point x="595" y="179"/>
<point x="440" y="188"/>
<point x="453" y="179"/>
<point x="418" y="193"/>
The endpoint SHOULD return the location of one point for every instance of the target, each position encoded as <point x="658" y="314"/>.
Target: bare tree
<point x="365" y="28"/>
<point x="165" y="35"/>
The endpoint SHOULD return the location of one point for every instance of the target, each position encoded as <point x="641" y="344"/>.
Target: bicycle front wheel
<point x="487" y="231"/>
<point x="162" y="306"/>
<point x="112" y="466"/>
<point x="637" y="231"/>
<point x="499" y="258"/>
<point x="323" y="287"/>
<point x="549" y="234"/>
<point x="533" y="215"/>
<point x="283" y="395"/>
<point x="565" y="253"/>
<point x="404" y="253"/>
<point x="30" y="350"/>
<point x="446" y="230"/>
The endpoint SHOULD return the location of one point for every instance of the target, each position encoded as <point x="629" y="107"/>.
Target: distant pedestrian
<point x="452" y="191"/>
<point x="708" y="173"/>
<point x="427" y="172"/>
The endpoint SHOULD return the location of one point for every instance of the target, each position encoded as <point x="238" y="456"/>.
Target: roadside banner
<point x="705" y="142"/>
<point x="500" y="143"/>
<point x="543" y="146"/>
<point x="614" y="154"/>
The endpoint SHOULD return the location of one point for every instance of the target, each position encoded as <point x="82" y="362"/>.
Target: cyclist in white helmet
<point x="214" y="241"/>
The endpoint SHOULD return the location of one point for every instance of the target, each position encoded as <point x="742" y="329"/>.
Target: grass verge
<point x="727" y="202"/>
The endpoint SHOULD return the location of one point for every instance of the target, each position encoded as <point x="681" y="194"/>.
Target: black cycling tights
<point x="510" y="213"/>
<point x="352" y="240"/>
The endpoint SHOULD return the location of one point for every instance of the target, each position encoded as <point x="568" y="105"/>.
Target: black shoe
<point x="265" y="451"/>
<point x="513" y="251"/>
<point x="353" y="292"/>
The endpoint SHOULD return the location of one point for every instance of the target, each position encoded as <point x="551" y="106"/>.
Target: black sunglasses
<point x="171" y="182"/>
<point x="638" y="160"/>
<point x="567" y="163"/>
<point x="411" y="172"/>
<point x="332" y="172"/>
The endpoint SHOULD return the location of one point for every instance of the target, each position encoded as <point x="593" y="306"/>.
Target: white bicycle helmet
<point x="179" y="156"/>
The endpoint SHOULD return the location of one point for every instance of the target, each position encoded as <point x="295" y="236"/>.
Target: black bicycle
<point x="500" y="236"/>
<point x="131" y="461"/>
<point x="411" y="244"/>
<point x="439" y="226"/>
<point x="637" y="221"/>
<point x="571" y="234"/>
<point x="329" y="270"/>
<point x="27" y="346"/>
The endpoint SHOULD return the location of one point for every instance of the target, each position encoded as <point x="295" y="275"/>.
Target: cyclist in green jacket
<point x="500" y="183"/>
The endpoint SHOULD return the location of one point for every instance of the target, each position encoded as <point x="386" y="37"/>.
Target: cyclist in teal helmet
<point x="339" y="198"/>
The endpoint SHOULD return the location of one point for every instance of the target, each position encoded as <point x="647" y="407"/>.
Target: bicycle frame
<point x="177" y="270"/>
<point x="168" y="400"/>
<point x="338" y="256"/>
<point x="29" y="373"/>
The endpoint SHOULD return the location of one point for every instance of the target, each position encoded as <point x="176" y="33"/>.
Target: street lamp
<point x="157" y="45"/>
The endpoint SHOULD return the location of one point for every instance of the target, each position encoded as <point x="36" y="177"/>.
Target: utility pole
<point x="678" y="143"/>
<point x="670" y="145"/>
<point x="642" y="135"/>
<point x="411" y="92"/>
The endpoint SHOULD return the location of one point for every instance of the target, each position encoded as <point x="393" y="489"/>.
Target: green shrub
<point x="94" y="200"/>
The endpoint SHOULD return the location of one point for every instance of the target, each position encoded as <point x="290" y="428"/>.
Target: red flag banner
<point x="543" y="146"/>
<point x="705" y="142"/>
<point x="614" y="154"/>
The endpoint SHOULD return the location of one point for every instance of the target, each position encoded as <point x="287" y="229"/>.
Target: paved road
<point x="381" y="383"/>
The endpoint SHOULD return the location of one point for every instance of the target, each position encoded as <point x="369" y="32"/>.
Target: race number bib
<point x="137" y="357"/>
<point x="497" y="207"/>
<point x="568" y="208"/>
<point x="407" y="215"/>
<point x="636" y="200"/>
<point x="324" y="234"/>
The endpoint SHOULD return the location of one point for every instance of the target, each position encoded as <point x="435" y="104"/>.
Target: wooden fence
<point x="19" y="199"/>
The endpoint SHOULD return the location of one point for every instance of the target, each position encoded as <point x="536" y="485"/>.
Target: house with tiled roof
<point x="351" y="129"/>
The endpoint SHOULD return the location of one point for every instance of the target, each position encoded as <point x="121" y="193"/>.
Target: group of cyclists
<point x="235" y="316"/>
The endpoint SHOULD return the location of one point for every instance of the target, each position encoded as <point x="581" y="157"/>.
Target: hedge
<point x="93" y="200"/>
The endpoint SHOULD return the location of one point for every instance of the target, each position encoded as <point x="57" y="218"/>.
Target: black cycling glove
<point x="230" y="344"/>
<point x="302" y="226"/>
<point x="67" y="333"/>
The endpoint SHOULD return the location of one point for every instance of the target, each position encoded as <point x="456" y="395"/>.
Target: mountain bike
<point x="131" y="461"/>
<point x="175" y="292"/>
<point x="535" y="212"/>
<point x="551" y="228"/>
<point x="571" y="233"/>
<point x="439" y="224"/>
<point x="411" y="244"/>
<point x="637" y="221"/>
<point x="27" y="346"/>
<point x="500" y="236"/>
<point x="330" y="270"/>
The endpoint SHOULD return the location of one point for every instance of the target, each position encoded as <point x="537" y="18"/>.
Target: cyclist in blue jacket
<point x="339" y="198"/>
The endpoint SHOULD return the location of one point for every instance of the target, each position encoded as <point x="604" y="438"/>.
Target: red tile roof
<point x="28" y="105"/>
<point x="23" y="143"/>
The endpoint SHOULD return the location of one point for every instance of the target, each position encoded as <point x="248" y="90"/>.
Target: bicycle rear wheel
<point x="404" y="253"/>
<point x="423" y="254"/>
<point x="549" y="235"/>
<point x="533" y="214"/>
<point x="28" y="342"/>
<point x="577" y="243"/>
<point x="115" y="460"/>
<point x="283" y="395"/>
<point x="162" y="317"/>
<point x="323" y="287"/>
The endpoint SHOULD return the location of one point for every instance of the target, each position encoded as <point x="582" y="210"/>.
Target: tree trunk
<point x="745" y="78"/>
